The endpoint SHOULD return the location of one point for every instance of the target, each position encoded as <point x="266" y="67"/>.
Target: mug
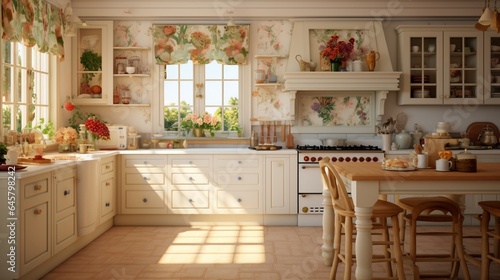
<point x="443" y="165"/>
<point x="421" y="161"/>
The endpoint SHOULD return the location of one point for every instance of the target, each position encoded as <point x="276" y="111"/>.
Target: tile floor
<point x="213" y="252"/>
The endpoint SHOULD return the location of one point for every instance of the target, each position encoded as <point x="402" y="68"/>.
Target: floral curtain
<point x="176" y="44"/>
<point x="34" y="22"/>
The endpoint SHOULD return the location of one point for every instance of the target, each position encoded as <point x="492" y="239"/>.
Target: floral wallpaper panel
<point x="335" y="110"/>
<point x="319" y="37"/>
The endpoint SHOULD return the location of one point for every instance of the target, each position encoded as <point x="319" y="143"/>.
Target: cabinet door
<point x="279" y="185"/>
<point x="92" y="44"/>
<point x="463" y="67"/>
<point x="35" y="243"/>
<point x="107" y="206"/>
<point x="421" y="62"/>
<point x="491" y="68"/>
<point x="65" y="225"/>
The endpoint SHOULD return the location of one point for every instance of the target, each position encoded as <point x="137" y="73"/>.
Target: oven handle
<point x="309" y="166"/>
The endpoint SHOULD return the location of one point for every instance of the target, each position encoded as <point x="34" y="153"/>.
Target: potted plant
<point x="3" y="152"/>
<point x="47" y="128"/>
<point x="91" y="61"/>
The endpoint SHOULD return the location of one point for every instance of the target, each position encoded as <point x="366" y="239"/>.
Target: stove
<point x="310" y="185"/>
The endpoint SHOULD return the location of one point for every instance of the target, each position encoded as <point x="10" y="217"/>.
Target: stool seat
<point x="435" y="209"/>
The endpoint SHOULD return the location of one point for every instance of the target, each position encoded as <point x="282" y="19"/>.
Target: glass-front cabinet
<point x="441" y="65"/>
<point x="492" y="67"/>
<point x="92" y="55"/>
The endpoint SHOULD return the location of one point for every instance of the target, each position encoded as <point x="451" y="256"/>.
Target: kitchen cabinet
<point x="35" y="221"/>
<point x="93" y="42"/>
<point x="64" y="197"/>
<point x="281" y="184"/>
<point x="143" y="184"/>
<point x="441" y="65"/>
<point x="265" y="75"/>
<point x="107" y="194"/>
<point x="492" y="67"/>
<point x="238" y="184"/>
<point x="190" y="184"/>
<point x="127" y="83"/>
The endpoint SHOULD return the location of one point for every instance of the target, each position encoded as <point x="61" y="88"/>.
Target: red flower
<point x="336" y="50"/>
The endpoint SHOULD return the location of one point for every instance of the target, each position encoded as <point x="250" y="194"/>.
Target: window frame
<point x="244" y="98"/>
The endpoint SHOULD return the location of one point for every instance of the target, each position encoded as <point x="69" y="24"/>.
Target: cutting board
<point x="434" y="145"/>
<point x="475" y="128"/>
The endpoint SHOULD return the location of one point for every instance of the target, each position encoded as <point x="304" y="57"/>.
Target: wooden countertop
<point x="486" y="171"/>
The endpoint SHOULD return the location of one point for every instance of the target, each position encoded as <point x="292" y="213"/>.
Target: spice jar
<point x="466" y="162"/>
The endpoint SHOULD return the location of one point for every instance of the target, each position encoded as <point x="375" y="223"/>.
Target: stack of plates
<point x="419" y="79"/>
<point x="418" y="93"/>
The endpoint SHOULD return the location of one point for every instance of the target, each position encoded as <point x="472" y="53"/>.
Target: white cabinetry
<point x="93" y="41"/>
<point x="143" y="184"/>
<point x="107" y="194"/>
<point x="238" y="184"/>
<point x="281" y="185"/>
<point x="35" y="221"/>
<point x="441" y="65"/>
<point x="65" y="219"/>
<point x="190" y="187"/>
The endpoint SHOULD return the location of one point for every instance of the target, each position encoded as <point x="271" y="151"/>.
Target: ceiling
<point x="272" y="9"/>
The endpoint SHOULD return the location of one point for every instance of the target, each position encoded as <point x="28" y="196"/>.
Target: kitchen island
<point x="370" y="180"/>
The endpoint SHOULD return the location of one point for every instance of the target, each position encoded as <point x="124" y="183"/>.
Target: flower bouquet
<point x="66" y="138"/>
<point x="97" y="130"/>
<point x="205" y="122"/>
<point x="338" y="51"/>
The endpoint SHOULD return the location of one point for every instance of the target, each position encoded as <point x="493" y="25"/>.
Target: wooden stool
<point x="417" y="209"/>
<point x="490" y="208"/>
<point x="344" y="215"/>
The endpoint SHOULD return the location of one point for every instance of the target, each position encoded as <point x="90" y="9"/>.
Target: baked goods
<point x="395" y="163"/>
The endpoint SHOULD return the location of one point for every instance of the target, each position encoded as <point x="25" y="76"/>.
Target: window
<point x="212" y="88"/>
<point x="25" y="86"/>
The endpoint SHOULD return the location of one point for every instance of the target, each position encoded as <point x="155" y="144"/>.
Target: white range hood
<point x="381" y="82"/>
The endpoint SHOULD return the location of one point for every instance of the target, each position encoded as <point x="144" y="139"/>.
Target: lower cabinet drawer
<point x="144" y="178"/>
<point x="238" y="199"/>
<point x="237" y="179"/>
<point x="190" y="199"/>
<point x="144" y="199"/>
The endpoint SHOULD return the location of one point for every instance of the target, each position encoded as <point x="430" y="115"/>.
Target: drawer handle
<point x="146" y="178"/>
<point x="108" y="167"/>
<point x="145" y="162"/>
<point x="38" y="211"/>
<point x="107" y="204"/>
<point x="239" y="178"/>
<point x="190" y="200"/>
<point x="108" y="184"/>
<point x="145" y="200"/>
<point x="239" y="199"/>
<point x="37" y="187"/>
<point x="66" y="192"/>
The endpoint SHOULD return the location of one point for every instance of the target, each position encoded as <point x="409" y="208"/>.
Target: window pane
<point x="22" y="83"/>
<point x="186" y="93"/>
<point x="7" y="81"/>
<point x="172" y="72"/>
<point x="231" y="72"/>
<point x="22" y="60"/>
<point x="186" y="71"/>
<point x="171" y="90"/>
<point x="213" y="93"/>
<point x="213" y="70"/>
<point x="230" y="91"/>
<point x="7" y="52"/>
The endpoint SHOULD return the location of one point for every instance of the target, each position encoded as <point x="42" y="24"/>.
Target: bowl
<point x="162" y="144"/>
<point x="130" y="69"/>
<point x="495" y="48"/>
<point x="125" y="100"/>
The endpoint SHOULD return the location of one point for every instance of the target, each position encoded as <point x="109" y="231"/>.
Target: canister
<point x="466" y="162"/>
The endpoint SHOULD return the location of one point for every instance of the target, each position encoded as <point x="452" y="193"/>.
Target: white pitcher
<point x="11" y="156"/>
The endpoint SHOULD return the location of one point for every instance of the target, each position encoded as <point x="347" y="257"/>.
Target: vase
<point x="324" y="63"/>
<point x="95" y="143"/>
<point x="335" y="66"/>
<point x="198" y="132"/>
<point x="64" y="148"/>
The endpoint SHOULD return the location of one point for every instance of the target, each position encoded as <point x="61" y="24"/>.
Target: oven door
<point x="310" y="178"/>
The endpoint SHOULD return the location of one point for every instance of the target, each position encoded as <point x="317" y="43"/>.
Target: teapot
<point x="487" y="137"/>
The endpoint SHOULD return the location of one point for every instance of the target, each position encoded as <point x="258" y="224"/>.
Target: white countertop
<point x="476" y="152"/>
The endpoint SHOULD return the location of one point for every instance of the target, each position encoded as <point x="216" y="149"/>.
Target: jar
<point x="133" y="141"/>
<point x="443" y="127"/>
<point x="466" y="162"/>
<point x="404" y="140"/>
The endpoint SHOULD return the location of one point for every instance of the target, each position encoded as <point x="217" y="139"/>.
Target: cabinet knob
<point x="239" y="199"/>
<point x="108" y="184"/>
<point x="37" y="187"/>
<point x="191" y="179"/>
<point x="108" y="167"/>
<point x="38" y="211"/>
<point x="190" y="200"/>
<point x="145" y="200"/>
<point x="190" y="162"/>
<point x="145" y="162"/>
<point x="66" y="192"/>
<point x="146" y="178"/>
<point x="107" y="204"/>
<point x="239" y="162"/>
<point x="239" y="178"/>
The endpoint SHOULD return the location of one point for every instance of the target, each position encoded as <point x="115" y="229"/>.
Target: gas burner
<point x="338" y="148"/>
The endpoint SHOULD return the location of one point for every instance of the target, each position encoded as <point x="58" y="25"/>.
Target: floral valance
<point x="34" y="22"/>
<point x="176" y="44"/>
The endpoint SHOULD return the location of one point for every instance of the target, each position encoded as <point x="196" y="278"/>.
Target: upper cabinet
<point x="92" y="60"/>
<point x="442" y="65"/>
<point x="492" y="68"/>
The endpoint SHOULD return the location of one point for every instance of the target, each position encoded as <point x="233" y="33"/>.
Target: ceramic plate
<point x="399" y="169"/>
<point x="5" y="167"/>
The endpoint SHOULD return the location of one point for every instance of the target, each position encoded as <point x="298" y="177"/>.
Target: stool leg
<point x="337" y="238"/>
<point x="460" y="249"/>
<point x="485" y="247"/>
<point x="396" y="248"/>
<point x="496" y="243"/>
<point x="387" y="253"/>
<point x="348" y="248"/>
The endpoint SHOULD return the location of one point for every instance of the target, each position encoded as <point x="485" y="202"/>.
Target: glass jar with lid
<point x="466" y="162"/>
